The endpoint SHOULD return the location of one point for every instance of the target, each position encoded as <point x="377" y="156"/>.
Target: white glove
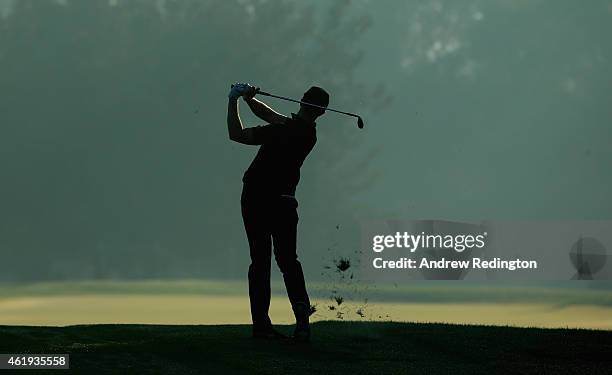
<point x="237" y="90"/>
<point x="242" y="89"/>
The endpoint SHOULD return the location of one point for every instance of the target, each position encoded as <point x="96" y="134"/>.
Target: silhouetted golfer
<point x="269" y="207"/>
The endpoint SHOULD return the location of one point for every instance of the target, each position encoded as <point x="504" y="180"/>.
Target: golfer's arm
<point x="264" y="112"/>
<point x="236" y="131"/>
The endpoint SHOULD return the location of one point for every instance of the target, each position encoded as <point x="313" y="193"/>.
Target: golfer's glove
<point x="238" y="89"/>
<point x="242" y="89"/>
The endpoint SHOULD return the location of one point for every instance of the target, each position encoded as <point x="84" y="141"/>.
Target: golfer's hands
<point x="250" y="92"/>
<point x="237" y="90"/>
<point x="242" y="89"/>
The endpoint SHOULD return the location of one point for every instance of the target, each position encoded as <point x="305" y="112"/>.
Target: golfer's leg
<point x="284" y="235"/>
<point x="260" y="247"/>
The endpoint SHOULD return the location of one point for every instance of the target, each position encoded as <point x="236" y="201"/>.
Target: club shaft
<point x="305" y="103"/>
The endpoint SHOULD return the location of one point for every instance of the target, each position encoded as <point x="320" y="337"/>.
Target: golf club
<point x="359" y="119"/>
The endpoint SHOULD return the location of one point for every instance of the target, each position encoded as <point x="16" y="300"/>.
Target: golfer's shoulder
<point x="288" y="130"/>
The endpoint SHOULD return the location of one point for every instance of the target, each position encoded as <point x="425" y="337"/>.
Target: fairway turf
<point x="336" y="348"/>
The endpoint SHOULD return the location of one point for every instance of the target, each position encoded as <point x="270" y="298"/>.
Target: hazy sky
<point x="517" y="122"/>
<point x="114" y="140"/>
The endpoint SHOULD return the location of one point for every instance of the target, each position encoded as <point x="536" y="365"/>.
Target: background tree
<point x="115" y="155"/>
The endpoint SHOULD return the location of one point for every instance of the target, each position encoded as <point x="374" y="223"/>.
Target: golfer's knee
<point x="288" y="265"/>
<point x="259" y="268"/>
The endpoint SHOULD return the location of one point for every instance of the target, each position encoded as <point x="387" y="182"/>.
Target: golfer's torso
<point x="276" y="167"/>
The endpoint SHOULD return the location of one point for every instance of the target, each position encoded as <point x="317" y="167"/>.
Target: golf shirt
<point x="275" y="169"/>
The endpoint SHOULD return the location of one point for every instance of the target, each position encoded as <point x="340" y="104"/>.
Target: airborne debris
<point x="343" y="284"/>
<point x="313" y="309"/>
<point x="343" y="264"/>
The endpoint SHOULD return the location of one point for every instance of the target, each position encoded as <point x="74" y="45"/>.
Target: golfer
<point x="269" y="207"/>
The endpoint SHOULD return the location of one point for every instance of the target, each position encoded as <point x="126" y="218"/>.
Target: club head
<point x="359" y="122"/>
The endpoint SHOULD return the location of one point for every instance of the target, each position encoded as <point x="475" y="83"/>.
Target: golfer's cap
<point x="316" y="95"/>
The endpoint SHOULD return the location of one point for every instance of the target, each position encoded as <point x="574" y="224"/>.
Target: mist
<point x="116" y="162"/>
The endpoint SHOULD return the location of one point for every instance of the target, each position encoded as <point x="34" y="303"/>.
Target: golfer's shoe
<point x="302" y="325"/>
<point x="268" y="334"/>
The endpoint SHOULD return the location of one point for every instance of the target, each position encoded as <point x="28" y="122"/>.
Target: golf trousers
<point x="270" y="222"/>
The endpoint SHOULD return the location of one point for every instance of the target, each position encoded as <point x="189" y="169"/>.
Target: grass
<point x="336" y="348"/>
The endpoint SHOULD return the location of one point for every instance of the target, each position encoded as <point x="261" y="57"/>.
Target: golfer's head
<point x="314" y="95"/>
